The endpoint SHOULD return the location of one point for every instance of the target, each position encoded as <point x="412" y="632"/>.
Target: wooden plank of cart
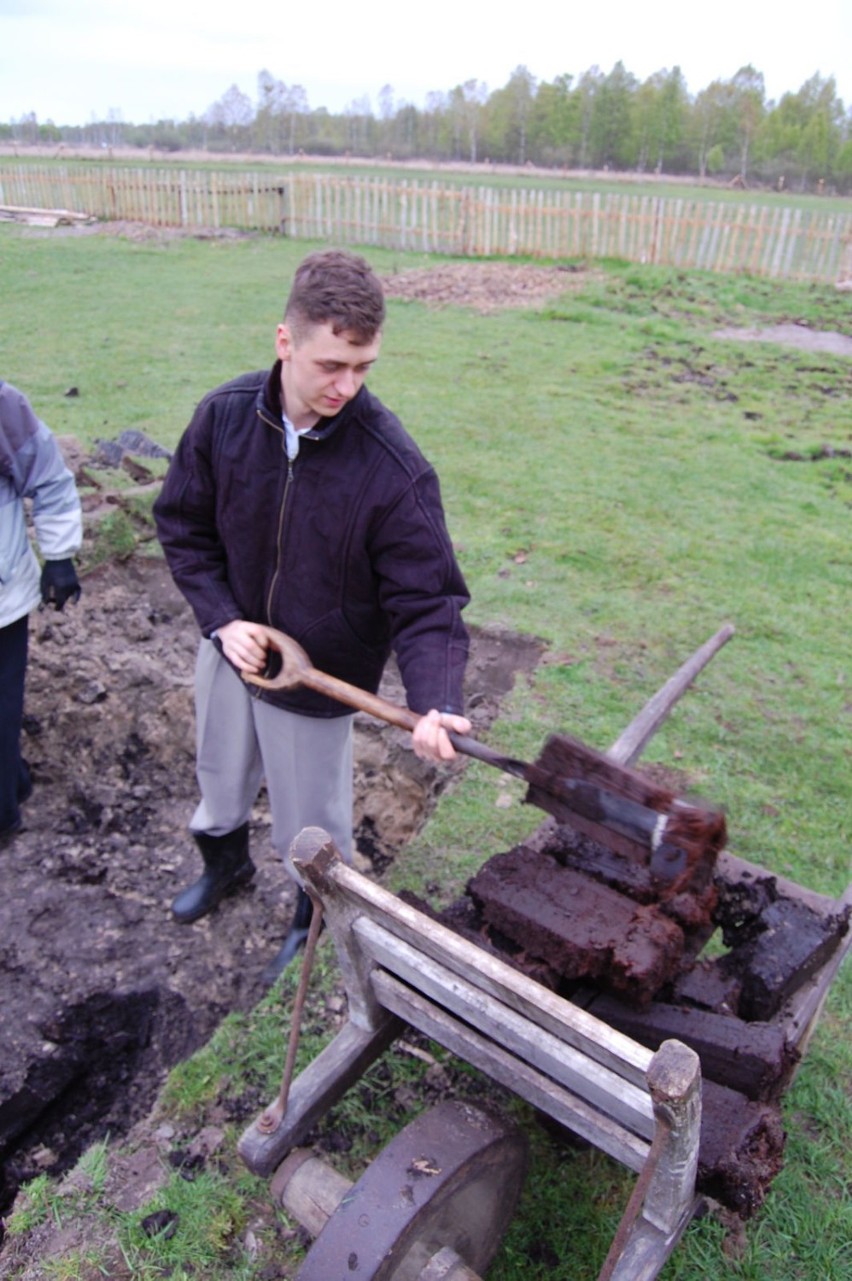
<point x="400" y="968"/>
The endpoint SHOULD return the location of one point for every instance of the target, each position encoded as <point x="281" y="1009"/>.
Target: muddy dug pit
<point x="102" y="992"/>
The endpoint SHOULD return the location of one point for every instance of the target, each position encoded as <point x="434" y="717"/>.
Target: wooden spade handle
<point x="403" y="718"/>
<point x="632" y="819"/>
<point x="360" y="699"/>
<point x="296" y="669"/>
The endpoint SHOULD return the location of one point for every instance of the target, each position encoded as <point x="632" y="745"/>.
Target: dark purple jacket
<point x="345" y="549"/>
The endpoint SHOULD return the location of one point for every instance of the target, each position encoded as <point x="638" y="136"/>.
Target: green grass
<point x="615" y="485"/>
<point x="206" y="1215"/>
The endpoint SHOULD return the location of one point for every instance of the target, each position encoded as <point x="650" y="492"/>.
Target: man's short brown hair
<point x="337" y="287"/>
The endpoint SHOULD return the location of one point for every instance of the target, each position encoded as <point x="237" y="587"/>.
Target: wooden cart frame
<point x="400" y="968"/>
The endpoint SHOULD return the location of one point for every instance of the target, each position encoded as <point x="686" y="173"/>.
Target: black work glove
<point x="59" y="583"/>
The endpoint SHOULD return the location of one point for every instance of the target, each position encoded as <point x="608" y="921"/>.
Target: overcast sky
<point x="70" y="61"/>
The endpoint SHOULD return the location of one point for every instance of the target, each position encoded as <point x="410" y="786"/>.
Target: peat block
<point x="692" y="908"/>
<point x="464" y="918"/>
<point x="590" y="921"/>
<point x="578" y="927"/>
<point x="755" y="1059"/>
<point x="741" y="1148"/>
<point x="740" y="904"/>
<point x="709" y="985"/>
<point x="620" y="872"/>
<point x="788" y="943"/>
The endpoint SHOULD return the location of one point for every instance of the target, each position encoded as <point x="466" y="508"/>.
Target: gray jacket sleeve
<point x="35" y="469"/>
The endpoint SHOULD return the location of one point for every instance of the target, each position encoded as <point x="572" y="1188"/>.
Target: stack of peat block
<point x="622" y="931"/>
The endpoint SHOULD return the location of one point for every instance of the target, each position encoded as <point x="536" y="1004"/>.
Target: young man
<point x="295" y="498"/>
<point x="31" y="467"/>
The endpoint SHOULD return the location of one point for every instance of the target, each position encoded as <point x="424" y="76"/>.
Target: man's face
<point x="321" y="371"/>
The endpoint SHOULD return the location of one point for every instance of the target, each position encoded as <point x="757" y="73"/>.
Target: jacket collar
<point x="269" y="407"/>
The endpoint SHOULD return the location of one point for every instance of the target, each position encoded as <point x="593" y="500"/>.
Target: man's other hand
<point x="430" y="738"/>
<point x="244" y="645"/>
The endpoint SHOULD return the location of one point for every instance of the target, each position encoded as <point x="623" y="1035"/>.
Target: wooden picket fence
<point x="775" y="241"/>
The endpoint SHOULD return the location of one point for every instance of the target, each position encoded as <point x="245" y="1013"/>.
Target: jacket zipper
<point x="278" y="540"/>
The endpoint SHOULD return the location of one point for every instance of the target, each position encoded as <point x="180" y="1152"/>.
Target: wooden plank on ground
<point x="40" y="217"/>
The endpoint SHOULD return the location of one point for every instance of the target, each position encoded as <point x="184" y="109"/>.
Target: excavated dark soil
<point x="102" y="992"/>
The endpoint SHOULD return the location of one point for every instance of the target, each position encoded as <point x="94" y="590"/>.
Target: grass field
<point x="615" y="482"/>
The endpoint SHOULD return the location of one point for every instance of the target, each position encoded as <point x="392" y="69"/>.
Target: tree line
<point x="595" y="121"/>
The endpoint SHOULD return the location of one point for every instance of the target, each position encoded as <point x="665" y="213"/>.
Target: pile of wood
<point x="33" y="217"/>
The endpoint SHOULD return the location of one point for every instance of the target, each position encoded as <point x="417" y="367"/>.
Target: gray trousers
<point x="306" y="761"/>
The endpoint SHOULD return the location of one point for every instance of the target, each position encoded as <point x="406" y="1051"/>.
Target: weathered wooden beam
<point x="550" y="1098"/>
<point x="326" y="1079"/>
<point x="634" y="739"/>
<point x="461" y="997"/>
<point x="664" y="1195"/>
<point x="42" y="217"/>
<point x="648" y="1249"/>
<point x="674" y="1079"/>
<point x="347" y="895"/>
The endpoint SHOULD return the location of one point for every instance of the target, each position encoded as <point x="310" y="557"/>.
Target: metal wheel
<point x="450" y="1179"/>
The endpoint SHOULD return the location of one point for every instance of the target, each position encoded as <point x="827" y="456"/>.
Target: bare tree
<point x="749" y="98"/>
<point x="386" y="107"/>
<point x="270" y="112"/>
<point x="295" y="105"/>
<point x="359" y="116"/>
<point x="231" y="115"/>
<point x="474" y="96"/>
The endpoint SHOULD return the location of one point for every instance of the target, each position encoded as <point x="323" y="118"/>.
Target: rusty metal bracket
<point x="269" y="1121"/>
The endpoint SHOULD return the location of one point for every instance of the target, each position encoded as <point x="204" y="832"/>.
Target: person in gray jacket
<point x="297" y="499"/>
<point x="31" y="467"/>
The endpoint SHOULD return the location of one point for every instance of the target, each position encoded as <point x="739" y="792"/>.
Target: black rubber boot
<point x="227" y="865"/>
<point x="294" y="940"/>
